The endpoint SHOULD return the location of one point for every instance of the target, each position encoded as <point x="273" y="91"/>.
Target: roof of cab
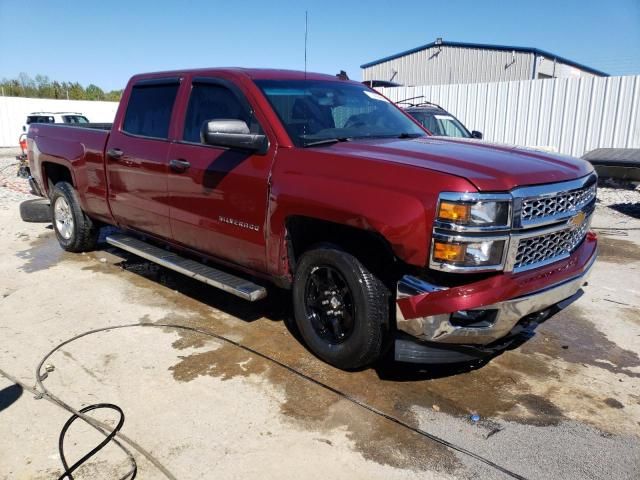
<point x="253" y="73"/>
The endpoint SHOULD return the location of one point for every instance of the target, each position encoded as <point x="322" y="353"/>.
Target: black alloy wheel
<point x="340" y="307"/>
<point x="329" y="304"/>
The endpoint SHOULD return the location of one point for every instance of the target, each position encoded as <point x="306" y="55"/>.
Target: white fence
<point x="14" y="111"/>
<point x="571" y="116"/>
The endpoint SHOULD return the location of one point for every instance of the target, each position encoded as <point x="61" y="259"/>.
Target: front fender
<point x="397" y="202"/>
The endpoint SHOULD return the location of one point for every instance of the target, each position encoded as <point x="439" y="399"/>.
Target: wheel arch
<point x="303" y="233"/>
<point x="54" y="172"/>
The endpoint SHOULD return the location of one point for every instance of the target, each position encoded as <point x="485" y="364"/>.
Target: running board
<point x="224" y="281"/>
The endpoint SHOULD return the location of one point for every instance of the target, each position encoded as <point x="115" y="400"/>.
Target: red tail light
<point x="23" y="145"/>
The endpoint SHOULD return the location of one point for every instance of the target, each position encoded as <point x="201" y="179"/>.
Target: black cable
<point x="68" y="470"/>
<point x="118" y="434"/>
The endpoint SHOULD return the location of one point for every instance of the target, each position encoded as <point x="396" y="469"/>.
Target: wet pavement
<point x="563" y="404"/>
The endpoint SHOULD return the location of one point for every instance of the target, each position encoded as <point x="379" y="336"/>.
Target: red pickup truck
<point x="387" y="237"/>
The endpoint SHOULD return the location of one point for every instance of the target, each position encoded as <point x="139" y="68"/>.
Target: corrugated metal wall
<point x="453" y="65"/>
<point x="445" y="65"/>
<point x="570" y="115"/>
<point x="14" y="111"/>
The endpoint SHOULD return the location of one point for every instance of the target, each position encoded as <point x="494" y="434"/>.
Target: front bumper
<point x="424" y="311"/>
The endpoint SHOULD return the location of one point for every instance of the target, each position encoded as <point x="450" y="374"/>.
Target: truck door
<point x="136" y="158"/>
<point x="218" y="196"/>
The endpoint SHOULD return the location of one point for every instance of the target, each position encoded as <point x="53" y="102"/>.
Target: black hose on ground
<point x="115" y="434"/>
<point x="68" y="470"/>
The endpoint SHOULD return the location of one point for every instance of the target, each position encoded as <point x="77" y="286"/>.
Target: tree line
<point x="42" y="87"/>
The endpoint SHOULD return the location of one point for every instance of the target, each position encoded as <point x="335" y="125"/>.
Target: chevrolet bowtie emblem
<point x="577" y="220"/>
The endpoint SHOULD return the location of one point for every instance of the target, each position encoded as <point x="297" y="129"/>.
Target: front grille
<point x="535" y="209"/>
<point x="534" y="251"/>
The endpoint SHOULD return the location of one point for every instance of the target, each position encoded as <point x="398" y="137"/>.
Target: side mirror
<point x="476" y="134"/>
<point x="24" y="129"/>
<point x="233" y="134"/>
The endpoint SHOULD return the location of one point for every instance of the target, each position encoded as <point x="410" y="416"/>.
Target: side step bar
<point x="224" y="281"/>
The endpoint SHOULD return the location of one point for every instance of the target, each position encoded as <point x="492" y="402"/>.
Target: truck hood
<point x="490" y="167"/>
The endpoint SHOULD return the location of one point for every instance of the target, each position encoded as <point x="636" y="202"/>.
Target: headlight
<point x="471" y="232"/>
<point x="474" y="213"/>
<point x="452" y="253"/>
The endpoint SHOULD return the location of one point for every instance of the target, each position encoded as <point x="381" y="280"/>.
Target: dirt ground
<point x="565" y="404"/>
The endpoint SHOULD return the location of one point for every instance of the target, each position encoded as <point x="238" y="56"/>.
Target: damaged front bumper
<point x="484" y="312"/>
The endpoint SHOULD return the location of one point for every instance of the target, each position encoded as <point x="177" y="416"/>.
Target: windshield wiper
<point x="410" y="135"/>
<point x="327" y="141"/>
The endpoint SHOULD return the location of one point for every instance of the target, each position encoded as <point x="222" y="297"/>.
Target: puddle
<point x="44" y="252"/>
<point x="498" y="389"/>
<point x="306" y="404"/>
<point x="544" y="411"/>
<point x="617" y="250"/>
<point x="584" y="343"/>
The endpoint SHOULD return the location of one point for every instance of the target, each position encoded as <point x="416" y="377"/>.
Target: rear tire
<point x="341" y="308"/>
<point x="37" y="210"/>
<point x="75" y="231"/>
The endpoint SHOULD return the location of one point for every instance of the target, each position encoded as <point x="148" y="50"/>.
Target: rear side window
<point x="210" y="101"/>
<point x="149" y="109"/>
<point x="39" y="119"/>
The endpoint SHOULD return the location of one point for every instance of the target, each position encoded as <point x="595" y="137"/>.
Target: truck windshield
<point x="315" y="112"/>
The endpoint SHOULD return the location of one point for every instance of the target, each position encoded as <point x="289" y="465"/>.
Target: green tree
<point x="43" y="87"/>
<point x="76" y="92"/>
<point x="113" y="95"/>
<point x="27" y="85"/>
<point x="93" y="92"/>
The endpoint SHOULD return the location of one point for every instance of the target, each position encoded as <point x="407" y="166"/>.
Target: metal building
<point x="442" y="62"/>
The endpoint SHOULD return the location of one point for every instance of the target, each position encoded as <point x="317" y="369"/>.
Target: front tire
<point x="75" y="231"/>
<point x="340" y="307"/>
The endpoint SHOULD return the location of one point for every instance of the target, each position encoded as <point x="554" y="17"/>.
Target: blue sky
<point x="106" y="42"/>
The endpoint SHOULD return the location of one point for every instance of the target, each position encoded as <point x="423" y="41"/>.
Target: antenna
<point x="306" y="33"/>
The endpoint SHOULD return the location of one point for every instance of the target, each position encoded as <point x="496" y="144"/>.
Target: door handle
<point x="115" y="153"/>
<point x="179" y="165"/>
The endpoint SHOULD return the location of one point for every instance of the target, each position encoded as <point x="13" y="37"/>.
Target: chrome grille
<point x="550" y="247"/>
<point x="535" y="209"/>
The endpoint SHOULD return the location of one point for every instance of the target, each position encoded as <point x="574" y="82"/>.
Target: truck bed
<point x="79" y="148"/>
<point x="97" y="126"/>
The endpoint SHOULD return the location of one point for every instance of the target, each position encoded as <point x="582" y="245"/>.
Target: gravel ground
<point x="622" y="198"/>
<point x="12" y="188"/>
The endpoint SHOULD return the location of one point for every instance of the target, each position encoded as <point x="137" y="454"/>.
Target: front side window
<point x="211" y="101"/>
<point x="313" y="111"/>
<point x="149" y="109"/>
<point x="74" y="119"/>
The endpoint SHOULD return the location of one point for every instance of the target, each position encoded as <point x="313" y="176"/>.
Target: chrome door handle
<point x="179" y="165"/>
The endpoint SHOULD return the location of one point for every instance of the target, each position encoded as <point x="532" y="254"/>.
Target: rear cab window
<point x="149" y="108"/>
